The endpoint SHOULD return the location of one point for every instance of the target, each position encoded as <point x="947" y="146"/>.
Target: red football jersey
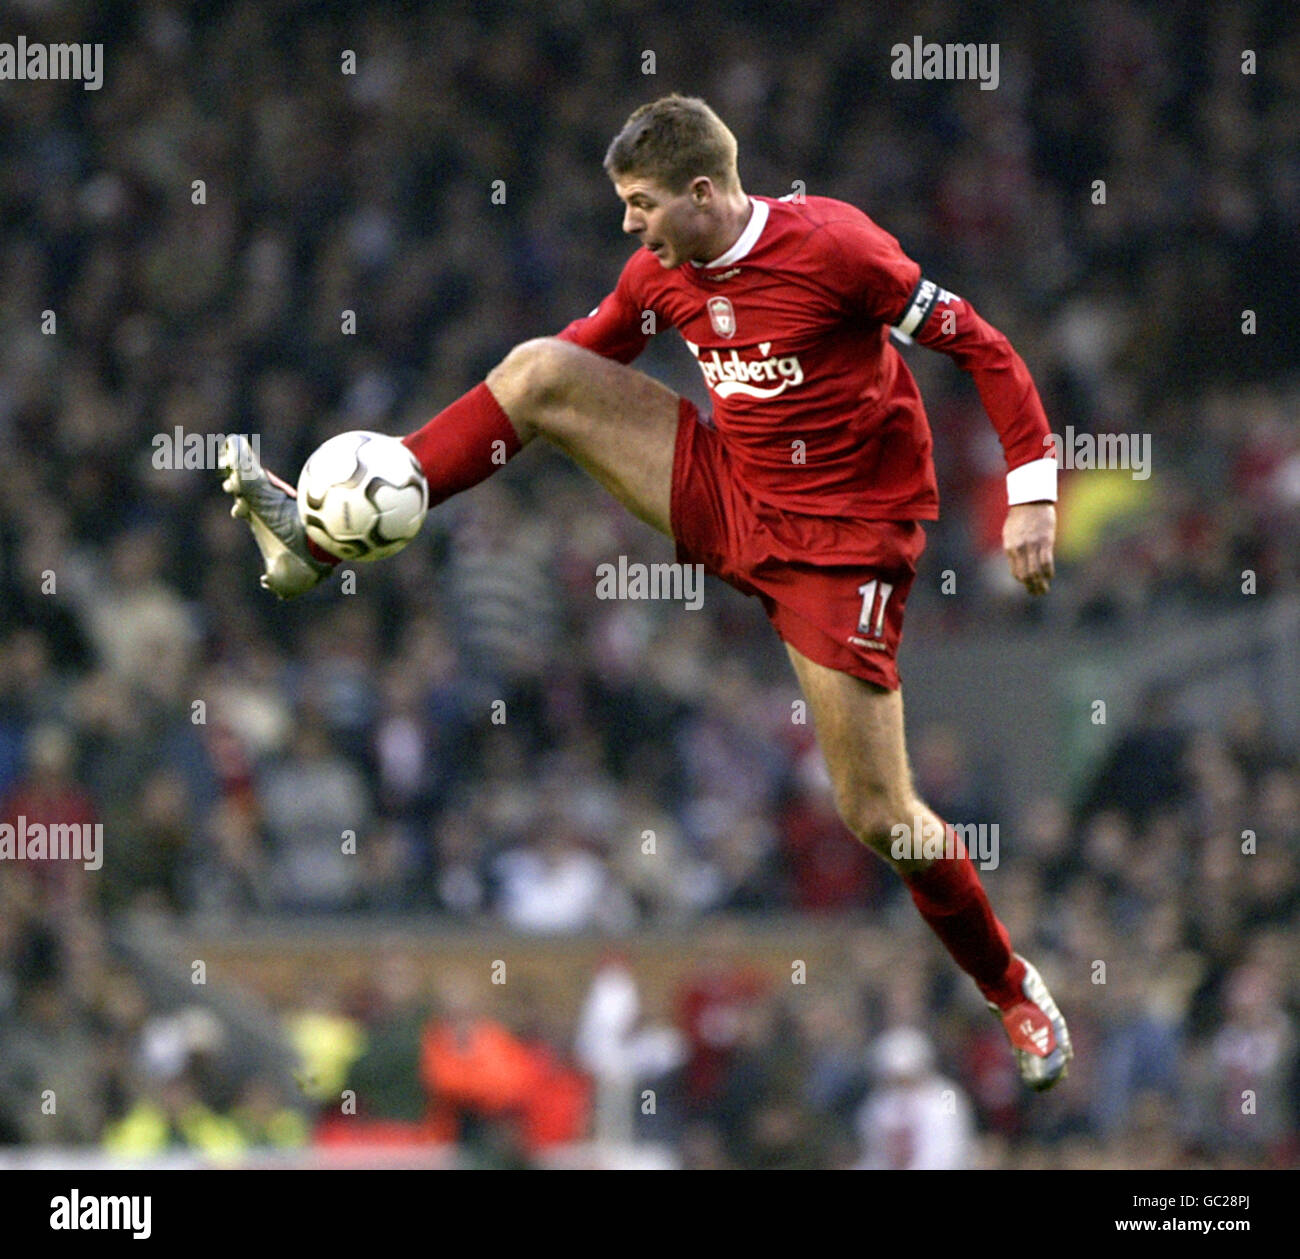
<point x="791" y="328"/>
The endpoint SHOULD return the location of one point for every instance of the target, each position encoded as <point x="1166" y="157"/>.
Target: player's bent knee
<point x="872" y="818"/>
<point x="533" y="378"/>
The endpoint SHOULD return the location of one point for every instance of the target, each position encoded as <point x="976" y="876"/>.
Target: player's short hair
<point x="672" y="141"/>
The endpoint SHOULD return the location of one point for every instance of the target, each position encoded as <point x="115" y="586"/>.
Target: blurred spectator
<point x="170" y="1116"/>
<point x="828" y="868"/>
<point x="710" y="1011"/>
<point x="914" y="1119"/>
<point x="623" y="1052"/>
<point x="557" y="885"/>
<point x="49" y="795"/>
<point x="50" y="1069"/>
<point x="385" y="1075"/>
<point x="313" y="801"/>
<point x="1144" y="771"/>
<point x="760" y="1113"/>
<point x="326" y="1041"/>
<point x="502" y="1098"/>
<point x="1247" y="1071"/>
<point x="127" y="596"/>
<point x="264" y="1121"/>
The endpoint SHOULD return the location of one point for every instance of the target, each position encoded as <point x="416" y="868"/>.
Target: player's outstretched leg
<point x="268" y="505"/>
<point x="617" y="423"/>
<point x="860" y="731"/>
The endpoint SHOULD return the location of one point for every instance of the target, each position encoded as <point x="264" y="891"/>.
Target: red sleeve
<point x="617" y="327"/>
<point x="866" y="267"/>
<point x="1005" y="386"/>
<point x="874" y="277"/>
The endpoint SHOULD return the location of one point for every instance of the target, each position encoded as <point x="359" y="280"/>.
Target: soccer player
<point x="807" y="488"/>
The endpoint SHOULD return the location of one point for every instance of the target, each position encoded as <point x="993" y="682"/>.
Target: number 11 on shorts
<point x="872" y="620"/>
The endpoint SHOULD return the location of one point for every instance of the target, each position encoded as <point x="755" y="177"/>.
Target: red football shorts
<point x="834" y="588"/>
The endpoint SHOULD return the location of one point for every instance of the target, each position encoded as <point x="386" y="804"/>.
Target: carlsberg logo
<point x="749" y="377"/>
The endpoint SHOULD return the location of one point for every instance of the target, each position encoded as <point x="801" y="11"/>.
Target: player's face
<point x="674" y="227"/>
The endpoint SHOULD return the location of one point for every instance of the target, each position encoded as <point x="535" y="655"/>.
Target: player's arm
<point x="618" y="328"/>
<point x="876" y="278"/>
<point x="945" y="322"/>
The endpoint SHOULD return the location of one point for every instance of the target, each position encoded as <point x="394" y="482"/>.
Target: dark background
<point x="372" y="192"/>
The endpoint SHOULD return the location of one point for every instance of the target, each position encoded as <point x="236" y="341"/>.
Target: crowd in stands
<point x="230" y="745"/>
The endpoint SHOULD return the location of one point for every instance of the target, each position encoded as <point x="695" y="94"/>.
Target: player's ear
<point x="701" y="191"/>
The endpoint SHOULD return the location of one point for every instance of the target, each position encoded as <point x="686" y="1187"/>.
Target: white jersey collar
<point x="745" y="241"/>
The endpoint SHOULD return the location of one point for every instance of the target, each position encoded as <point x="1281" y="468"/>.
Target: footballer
<point x="807" y="487"/>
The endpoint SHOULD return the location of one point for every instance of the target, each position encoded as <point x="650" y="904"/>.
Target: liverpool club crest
<point x="722" y="317"/>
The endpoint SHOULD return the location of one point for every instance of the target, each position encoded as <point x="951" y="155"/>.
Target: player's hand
<point x="1028" y="538"/>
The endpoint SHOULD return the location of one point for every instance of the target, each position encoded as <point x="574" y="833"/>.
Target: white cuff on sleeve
<point x="1032" y="482"/>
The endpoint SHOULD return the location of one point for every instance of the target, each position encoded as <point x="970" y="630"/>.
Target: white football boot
<point x="271" y="509"/>
<point x="1038" y="1035"/>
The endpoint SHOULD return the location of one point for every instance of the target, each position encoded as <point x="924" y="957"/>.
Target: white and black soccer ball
<point x="362" y="496"/>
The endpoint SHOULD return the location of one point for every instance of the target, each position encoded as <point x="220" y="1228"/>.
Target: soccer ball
<point x="362" y="496"/>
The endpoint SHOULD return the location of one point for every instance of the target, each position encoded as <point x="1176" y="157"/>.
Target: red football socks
<point x="321" y="554"/>
<point x="951" y="899"/>
<point x="464" y="444"/>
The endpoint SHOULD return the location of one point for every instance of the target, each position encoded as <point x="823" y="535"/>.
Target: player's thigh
<point x="860" y="731"/>
<point x="615" y="422"/>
